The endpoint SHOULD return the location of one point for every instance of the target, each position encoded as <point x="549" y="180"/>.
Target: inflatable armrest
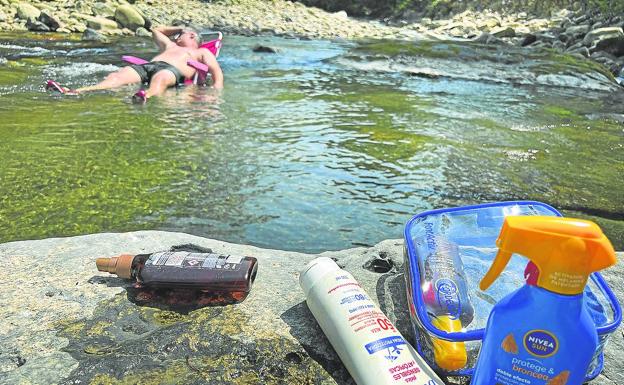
<point x="133" y="60"/>
<point x="197" y="65"/>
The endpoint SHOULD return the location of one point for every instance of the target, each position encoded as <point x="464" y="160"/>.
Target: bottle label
<point x="379" y="340"/>
<point x="524" y="360"/>
<point x="187" y="260"/>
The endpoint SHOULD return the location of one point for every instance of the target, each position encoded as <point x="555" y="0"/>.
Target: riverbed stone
<point x="612" y="45"/>
<point x="488" y="24"/>
<point x="90" y="34"/>
<point x="27" y="11"/>
<point x="341" y="15"/>
<point x="77" y="27"/>
<point x="142" y="32"/>
<point x="295" y="20"/>
<point x="127" y="16"/>
<point x="37" y="26"/>
<point x="504" y="31"/>
<point x="528" y="39"/>
<point x="482" y="38"/>
<point x="103" y="9"/>
<point x="582" y="50"/>
<point x="577" y="31"/>
<point x="594" y="36"/>
<point x="101" y="23"/>
<point x="84" y="7"/>
<point x="65" y="322"/>
<point x="50" y="20"/>
<point x="264" y="48"/>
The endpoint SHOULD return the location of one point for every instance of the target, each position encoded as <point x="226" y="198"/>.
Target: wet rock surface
<point x="67" y="323"/>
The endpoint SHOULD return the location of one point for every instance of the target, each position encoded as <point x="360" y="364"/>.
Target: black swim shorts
<point x="148" y="70"/>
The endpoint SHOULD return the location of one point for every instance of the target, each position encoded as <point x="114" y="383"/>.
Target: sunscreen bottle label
<point x="386" y="345"/>
<point x="522" y="359"/>
<point x="369" y="345"/>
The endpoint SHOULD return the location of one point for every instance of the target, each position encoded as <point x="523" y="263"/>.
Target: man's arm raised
<point x="161" y="35"/>
<point x="213" y="67"/>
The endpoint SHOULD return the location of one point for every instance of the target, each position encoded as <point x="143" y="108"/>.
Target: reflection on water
<point x="300" y="151"/>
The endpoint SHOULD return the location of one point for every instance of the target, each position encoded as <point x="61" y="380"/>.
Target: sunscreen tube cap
<point x="315" y="270"/>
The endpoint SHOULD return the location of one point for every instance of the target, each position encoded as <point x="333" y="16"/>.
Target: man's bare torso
<point x="178" y="56"/>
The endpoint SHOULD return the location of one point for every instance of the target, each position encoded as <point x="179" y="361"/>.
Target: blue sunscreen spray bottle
<point x="542" y="334"/>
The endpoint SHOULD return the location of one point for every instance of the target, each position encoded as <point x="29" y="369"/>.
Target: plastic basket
<point x="474" y="230"/>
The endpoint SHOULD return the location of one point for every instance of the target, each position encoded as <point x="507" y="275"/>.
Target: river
<point x="320" y="146"/>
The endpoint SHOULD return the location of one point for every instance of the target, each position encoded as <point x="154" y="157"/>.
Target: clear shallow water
<point x="304" y="150"/>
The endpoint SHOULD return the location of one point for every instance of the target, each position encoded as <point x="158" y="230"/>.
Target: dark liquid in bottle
<point x="200" y="271"/>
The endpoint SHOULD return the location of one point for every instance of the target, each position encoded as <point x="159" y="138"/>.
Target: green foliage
<point x="608" y="7"/>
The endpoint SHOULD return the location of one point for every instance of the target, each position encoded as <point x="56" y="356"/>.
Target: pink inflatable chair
<point x="201" y="75"/>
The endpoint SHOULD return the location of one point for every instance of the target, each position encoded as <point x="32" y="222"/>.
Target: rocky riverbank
<point x="581" y="33"/>
<point x="66" y="323"/>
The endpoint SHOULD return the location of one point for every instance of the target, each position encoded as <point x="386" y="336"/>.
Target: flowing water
<point x="321" y="146"/>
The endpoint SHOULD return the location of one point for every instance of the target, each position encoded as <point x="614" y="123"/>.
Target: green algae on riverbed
<point x="12" y="73"/>
<point x="313" y="148"/>
<point x="106" y="171"/>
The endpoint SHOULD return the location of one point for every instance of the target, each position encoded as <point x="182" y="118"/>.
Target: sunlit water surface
<point x="301" y="151"/>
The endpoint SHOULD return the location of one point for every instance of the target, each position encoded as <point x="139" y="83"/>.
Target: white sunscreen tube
<point x="370" y="347"/>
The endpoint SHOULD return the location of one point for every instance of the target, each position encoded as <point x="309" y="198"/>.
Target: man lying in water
<point x="166" y="69"/>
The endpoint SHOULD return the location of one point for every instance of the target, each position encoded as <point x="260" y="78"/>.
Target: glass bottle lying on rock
<point x="447" y="252"/>
<point x="206" y="272"/>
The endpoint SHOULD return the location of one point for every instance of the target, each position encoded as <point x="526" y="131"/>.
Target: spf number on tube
<point x="385" y="324"/>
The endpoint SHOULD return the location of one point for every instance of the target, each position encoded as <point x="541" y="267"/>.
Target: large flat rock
<point x="65" y="322"/>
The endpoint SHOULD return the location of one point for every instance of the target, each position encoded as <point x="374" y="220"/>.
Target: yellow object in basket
<point x="449" y="355"/>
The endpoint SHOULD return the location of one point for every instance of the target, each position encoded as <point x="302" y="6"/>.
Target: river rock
<point x="594" y="36"/>
<point x="598" y="24"/>
<point x="483" y="38"/>
<point x="612" y="45"/>
<point x="3" y="16"/>
<point x="582" y="50"/>
<point x="546" y="37"/>
<point x="142" y="32"/>
<point x="129" y="17"/>
<point x="264" y="48"/>
<point x="26" y="11"/>
<point x="47" y="18"/>
<point x="37" y="26"/>
<point x="528" y="39"/>
<point x="103" y="9"/>
<point x="101" y="23"/>
<point x="566" y="23"/>
<point x="83" y="7"/>
<point x="577" y="31"/>
<point x="503" y="32"/>
<point x="576" y="45"/>
<point x="538" y="24"/>
<point x="77" y="27"/>
<point x="90" y="34"/>
<point x="488" y="24"/>
<point x="559" y="46"/>
<point x="493" y="40"/>
<point x="65" y="322"/>
<point x="341" y="15"/>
